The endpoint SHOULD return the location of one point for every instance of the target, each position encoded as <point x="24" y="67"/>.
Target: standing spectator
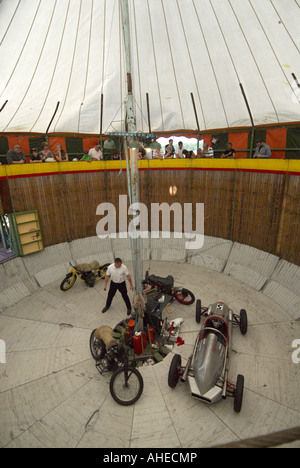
<point x="61" y="155"/>
<point x="35" y="157"/>
<point x="16" y="156"/>
<point x="229" y="153"/>
<point x="169" y="153"/>
<point x="262" y="150"/>
<point x="156" y="154"/>
<point x="208" y="152"/>
<point x="199" y="153"/>
<point x="46" y="154"/>
<point x="179" y="153"/>
<point x="96" y="153"/>
<point x="172" y="148"/>
<point x="141" y="153"/>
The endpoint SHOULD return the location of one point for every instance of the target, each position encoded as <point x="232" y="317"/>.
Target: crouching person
<point x="117" y="273"/>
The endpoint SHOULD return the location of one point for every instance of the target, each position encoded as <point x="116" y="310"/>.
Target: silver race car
<point x="207" y="367"/>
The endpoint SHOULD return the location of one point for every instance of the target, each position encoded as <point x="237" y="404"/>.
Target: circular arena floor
<point x="53" y="396"/>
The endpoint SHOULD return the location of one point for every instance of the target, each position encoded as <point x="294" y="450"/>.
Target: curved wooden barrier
<point x="252" y="202"/>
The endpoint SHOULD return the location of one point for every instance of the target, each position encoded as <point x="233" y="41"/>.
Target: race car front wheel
<point x="239" y="393"/>
<point x="174" y="372"/>
<point x="243" y="322"/>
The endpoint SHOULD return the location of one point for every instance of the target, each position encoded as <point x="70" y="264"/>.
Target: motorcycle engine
<point x="89" y="279"/>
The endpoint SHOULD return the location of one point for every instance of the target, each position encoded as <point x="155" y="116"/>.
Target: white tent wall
<point x="71" y="51"/>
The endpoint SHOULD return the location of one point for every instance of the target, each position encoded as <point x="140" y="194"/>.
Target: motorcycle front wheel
<point x="68" y="282"/>
<point x="126" y="389"/>
<point x="184" y="296"/>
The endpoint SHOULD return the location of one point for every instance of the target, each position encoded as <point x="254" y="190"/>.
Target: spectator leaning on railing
<point x="262" y="150"/>
<point x="16" y="156"/>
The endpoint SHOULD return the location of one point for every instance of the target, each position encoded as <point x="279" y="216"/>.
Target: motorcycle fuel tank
<point x="208" y="362"/>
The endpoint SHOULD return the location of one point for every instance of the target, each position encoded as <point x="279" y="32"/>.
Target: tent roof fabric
<point x="72" y="51"/>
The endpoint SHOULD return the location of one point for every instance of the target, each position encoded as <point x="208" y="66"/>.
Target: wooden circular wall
<point x="251" y="202"/>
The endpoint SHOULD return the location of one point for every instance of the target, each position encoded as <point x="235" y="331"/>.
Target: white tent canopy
<point x="72" y="51"/>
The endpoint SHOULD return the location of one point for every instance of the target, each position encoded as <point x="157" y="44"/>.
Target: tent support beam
<point x="53" y="117"/>
<point x="251" y="119"/>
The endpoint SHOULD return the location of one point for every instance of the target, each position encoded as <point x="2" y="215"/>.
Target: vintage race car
<point x="208" y="366"/>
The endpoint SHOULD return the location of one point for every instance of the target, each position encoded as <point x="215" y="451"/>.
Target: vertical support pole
<point x="148" y="112"/>
<point x="101" y="122"/>
<point x="133" y="180"/>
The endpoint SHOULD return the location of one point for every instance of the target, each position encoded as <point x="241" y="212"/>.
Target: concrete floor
<point x="53" y="396"/>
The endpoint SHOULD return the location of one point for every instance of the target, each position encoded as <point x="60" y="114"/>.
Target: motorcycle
<point x="126" y="384"/>
<point x="88" y="273"/>
<point x="166" y="286"/>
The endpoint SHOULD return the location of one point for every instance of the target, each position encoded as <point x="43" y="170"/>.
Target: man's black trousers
<point x="114" y="287"/>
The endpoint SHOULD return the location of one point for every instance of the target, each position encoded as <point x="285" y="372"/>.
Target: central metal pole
<point x="133" y="179"/>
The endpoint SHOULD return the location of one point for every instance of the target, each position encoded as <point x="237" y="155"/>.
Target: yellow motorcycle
<point x="88" y="273"/>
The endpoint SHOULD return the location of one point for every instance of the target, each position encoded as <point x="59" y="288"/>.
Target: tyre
<point x="68" y="282"/>
<point x="97" y="347"/>
<point x="102" y="270"/>
<point x="174" y="372"/>
<point x="198" y="311"/>
<point x="238" y="394"/>
<point x="243" y="322"/>
<point x="126" y="394"/>
<point x="184" y="296"/>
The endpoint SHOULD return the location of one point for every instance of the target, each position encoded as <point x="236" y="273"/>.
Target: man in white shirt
<point x="179" y="153"/>
<point x="118" y="273"/>
<point x="96" y="153"/>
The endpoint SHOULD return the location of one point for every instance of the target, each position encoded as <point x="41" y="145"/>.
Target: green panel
<point x="293" y="141"/>
<point x="19" y="246"/>
<point x="4" y="147"/>
<point x="220" y="146"/>
<point x="257" y="135"/>
<point x="74" y="148"/>
<point x="35" y="143"/>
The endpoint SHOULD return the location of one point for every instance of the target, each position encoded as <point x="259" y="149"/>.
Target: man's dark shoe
<point x="104" y="310"/>
<point x="129" y="311"/>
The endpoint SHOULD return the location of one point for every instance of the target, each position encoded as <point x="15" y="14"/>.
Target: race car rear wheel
<point x="174" y="372"/>
<point x="243" y="322"/>
<point x="198" y="311"/>
<point x="238" y="394"/>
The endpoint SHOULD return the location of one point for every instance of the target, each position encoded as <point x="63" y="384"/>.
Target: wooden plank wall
<point x="258" y="209"/>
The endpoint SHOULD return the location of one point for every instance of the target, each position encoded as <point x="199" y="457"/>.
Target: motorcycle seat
<point x="169" y="281"/>
<point x="86" y="267"/>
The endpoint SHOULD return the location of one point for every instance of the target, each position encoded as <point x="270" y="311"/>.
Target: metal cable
<point x="35" y="68"/>
<point x="54" y="69"/>
<point x="22" y="50"/>
<point x="72" y="65"/>
<point x="11" y="20"/>
<point x="87" y="65"/>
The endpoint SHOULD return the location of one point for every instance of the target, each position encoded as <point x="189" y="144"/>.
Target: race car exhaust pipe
<point x="187" y="368"/>
<point x="224" y="392"/>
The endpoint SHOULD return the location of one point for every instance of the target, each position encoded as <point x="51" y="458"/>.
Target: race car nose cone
<point x="209" y="361"/>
